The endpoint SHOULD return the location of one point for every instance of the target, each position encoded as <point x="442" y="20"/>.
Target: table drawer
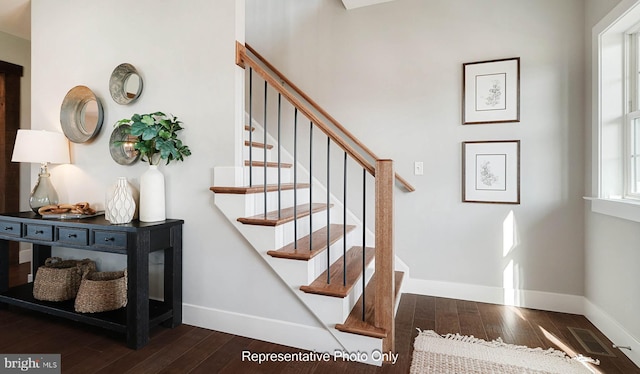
<point x="8" y="228"/>
<point x="68" y="235"/>
<point x="109" y="239"/>
<point x="39" y="232"/>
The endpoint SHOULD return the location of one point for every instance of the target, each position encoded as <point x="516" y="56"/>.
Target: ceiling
<point x="15" y="18"/>
<point x="15" y="15"/>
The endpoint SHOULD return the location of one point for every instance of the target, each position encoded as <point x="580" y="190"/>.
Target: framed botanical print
<point x="491" y="171"/>
<point x="491" y="91"/>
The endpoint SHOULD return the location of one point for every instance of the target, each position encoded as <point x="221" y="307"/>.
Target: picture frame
<point x="491" y="91"/>
<point x="491" y="171"/>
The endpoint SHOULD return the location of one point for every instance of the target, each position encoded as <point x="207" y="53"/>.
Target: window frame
<point x="632" y="111"/>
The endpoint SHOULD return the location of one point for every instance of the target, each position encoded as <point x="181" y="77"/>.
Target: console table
<point x="134" y="240"/>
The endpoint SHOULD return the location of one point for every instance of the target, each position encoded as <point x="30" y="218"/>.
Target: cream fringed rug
<point x="458" y="354"/>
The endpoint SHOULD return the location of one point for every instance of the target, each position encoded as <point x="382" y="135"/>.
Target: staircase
<point x="310" y="236"/>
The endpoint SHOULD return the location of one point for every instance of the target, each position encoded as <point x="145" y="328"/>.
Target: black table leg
<point x="138" y="290"/>
<point x="39" y="256"/>
<point x="173" y="277"/>
<point x="4" y="265"/>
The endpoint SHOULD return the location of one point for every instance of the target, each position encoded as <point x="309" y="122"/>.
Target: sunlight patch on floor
<point x="565" y="348"/>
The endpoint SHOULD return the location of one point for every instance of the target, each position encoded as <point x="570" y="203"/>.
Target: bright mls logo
<point x="30" y="363"/>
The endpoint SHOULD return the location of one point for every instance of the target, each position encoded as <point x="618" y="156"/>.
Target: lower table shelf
<point x="115" y="320"/>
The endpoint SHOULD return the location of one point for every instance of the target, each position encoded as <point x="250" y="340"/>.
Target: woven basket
<point x="101" y="291"/>
<point x="59" y="280"/>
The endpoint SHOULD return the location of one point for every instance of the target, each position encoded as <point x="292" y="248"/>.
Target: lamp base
<point x="43" y="193"/>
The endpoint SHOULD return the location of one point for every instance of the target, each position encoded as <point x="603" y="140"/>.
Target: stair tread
<point x="257" y="144"/>
<point x="270" y="164"/>
<point x="247" y="128"/>
<point x="319" y="242"/>
<point x="354" y="323"/>
<point x="245" y="190"/>
<point x="286" y="215"/>
<point x="354" y="270"/>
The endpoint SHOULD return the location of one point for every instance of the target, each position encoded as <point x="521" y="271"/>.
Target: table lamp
<point x="42" y="147"/>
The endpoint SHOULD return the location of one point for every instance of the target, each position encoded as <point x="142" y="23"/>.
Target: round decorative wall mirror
<point x="121" y="146"/>
<point x="125" y="84"/>
<point x="81" y="115"/>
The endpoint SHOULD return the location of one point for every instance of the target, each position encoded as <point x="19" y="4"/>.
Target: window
<point x="616" y="113"/>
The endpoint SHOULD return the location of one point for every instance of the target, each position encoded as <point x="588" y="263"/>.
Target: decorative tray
<point x="72" y="215"/>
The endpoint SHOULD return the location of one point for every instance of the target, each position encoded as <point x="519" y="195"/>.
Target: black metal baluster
<point x="250" y="127"/>
<point x="264" y="153"/>
<point x="295" y="178"/>
<point x="364" y="237"/>
<point x="279" y="160"/>
<point x="344" y="222"/>
<point x="311" y="185"/>
<point x="328" y="216"/>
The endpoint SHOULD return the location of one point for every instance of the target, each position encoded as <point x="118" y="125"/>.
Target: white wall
<point x="392" y="74"/>
<point x="185" y="52"/>
<point x="18" y="51"/>
<point x="612" y="280"/>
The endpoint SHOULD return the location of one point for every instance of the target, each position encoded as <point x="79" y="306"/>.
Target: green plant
<point x="157" y="137"/>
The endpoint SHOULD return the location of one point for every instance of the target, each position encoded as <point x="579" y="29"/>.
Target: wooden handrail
<point x="247" y="60"/>
<point x="240" y="61"/>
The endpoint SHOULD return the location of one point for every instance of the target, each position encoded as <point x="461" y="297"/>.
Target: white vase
<point x="120" y="206"/>
<point x="152" y="200"/>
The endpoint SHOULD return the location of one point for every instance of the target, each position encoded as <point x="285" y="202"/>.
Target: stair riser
<point x="258" y="136"/>
<point x="266" y="238"/>
<point x="254" y="203"/>
<point x="319" y="263"/>
<point x="258" y="154"/>
<point x="299" y="272"/>
<point x="257" y="172"/>
<point x="305" y="226"/>
<point x="334" y="310"/>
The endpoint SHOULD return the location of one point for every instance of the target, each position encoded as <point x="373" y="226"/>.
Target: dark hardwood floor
<point x="188" y="349"/>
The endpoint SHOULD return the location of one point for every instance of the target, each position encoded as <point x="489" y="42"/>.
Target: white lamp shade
<point x="41" y="146"/>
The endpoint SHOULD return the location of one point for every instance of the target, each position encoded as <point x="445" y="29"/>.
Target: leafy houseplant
<point x="157" y="137"/>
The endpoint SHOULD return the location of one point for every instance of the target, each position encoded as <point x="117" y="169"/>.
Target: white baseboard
<point x="315" y="339"/>
<point x="270" y="330"/>
<point x="495" y="295"/>
<point x="613" y="330"/>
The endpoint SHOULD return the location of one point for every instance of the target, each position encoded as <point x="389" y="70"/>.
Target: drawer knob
<point x="8" y="228"/>
<point x="111" y="239"/>
<point x="72" y="236"/>
<point x="39" y="232"/>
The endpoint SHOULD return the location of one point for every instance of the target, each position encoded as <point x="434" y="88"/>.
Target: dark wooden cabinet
<point x="10" y="81"/>
<point x="134" y="240"/>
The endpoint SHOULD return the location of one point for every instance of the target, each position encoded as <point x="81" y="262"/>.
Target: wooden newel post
<point x="385" y="282"/>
